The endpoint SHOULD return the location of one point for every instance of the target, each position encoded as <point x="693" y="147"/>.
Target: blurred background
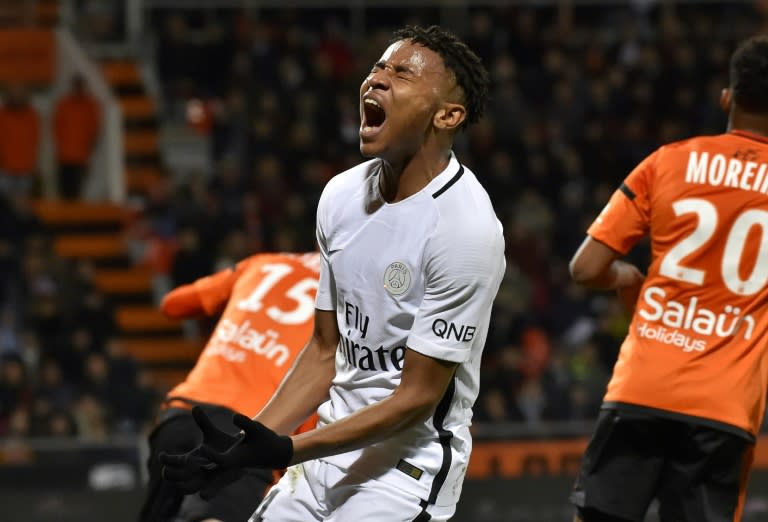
<point x="146" y="143"/>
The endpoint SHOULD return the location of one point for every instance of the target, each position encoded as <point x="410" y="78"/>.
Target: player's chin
<point x="371" y="148"/>
<point x="373" y="140"/>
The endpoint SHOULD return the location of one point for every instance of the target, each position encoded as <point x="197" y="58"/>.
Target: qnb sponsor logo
<point x="230" y="334"/>
<point x="371" y="359"/>
<point x="690" y="316"/>
<point x="448" y="330"/>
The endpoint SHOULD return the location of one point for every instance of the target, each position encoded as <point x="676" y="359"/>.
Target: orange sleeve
<point x="182" y="302"/>
<point x="214" y="290"/>
<point x="206" y="296"/>
<point x="627" y="217"/>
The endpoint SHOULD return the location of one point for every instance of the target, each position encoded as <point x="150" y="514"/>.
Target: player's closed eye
<point x="378" y="66"/>
<point x="400" y="71"/>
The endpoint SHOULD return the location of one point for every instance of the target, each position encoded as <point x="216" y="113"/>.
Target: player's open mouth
<point x="373" y="117"/>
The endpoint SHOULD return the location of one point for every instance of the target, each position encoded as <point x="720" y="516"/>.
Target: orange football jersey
<point x="698" y="340"/>
<point x="269" y="317"/>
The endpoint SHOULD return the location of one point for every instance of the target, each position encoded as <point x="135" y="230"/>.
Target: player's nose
<point x="378" y="80"/>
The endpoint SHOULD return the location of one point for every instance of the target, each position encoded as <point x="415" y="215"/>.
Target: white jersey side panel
<point x="421" y="273"/>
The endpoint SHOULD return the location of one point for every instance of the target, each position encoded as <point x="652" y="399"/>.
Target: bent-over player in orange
<point x="268" y="303"/>
<point x="687" y="395"/>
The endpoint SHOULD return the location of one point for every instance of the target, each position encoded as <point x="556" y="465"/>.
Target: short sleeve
<point x="326" y="292"/>
<point x="460" y="286"/>
<point x="214" y="290"/>
<point x="627" y="216"/>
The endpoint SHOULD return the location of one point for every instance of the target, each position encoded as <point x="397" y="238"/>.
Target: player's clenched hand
<point x="192" y="472"/>
<point x="257" y="446"/>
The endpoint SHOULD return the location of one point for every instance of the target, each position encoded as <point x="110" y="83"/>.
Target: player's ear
<point x="450" y="116"/>
<point x="726" y="98"/>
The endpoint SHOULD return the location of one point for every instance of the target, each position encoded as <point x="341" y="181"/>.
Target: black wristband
<point x="283" y="453"/>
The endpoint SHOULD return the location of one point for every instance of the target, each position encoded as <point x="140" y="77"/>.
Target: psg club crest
<point x="397" y="278"/>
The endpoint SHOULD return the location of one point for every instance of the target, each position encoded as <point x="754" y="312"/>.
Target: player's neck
<point x="404" y="179"/>
<point x="756" y="124"/>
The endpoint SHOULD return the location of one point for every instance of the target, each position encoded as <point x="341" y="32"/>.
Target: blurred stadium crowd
<point x="579" y="97"/>
<point x="61" y="371"/>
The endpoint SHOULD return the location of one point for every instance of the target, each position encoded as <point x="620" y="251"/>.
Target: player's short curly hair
<point x="749" y="75"/>
<point x="469" y="70"/>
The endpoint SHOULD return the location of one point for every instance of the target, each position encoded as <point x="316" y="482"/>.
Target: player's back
<point x="267" y="321"/>
<point x="699" y="336"/>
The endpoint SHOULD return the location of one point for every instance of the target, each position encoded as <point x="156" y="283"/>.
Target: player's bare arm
<point x="598" y="266"/>
<point x="307" y="383"/>
<point x="424" y="382"/>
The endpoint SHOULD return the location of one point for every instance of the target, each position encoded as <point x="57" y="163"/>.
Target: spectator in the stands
<point x="19" y="142"/>
<point x="76" y="125"/>
<point x="52" y="387"/>
<point x="192" y="260"/>
<point x="90" y="414"/>
<point x="15" y="388"/>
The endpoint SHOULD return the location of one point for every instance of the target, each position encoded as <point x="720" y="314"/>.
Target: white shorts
<point x="316" y="490"/>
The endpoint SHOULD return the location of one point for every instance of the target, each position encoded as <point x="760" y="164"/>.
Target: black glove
<point x="257" y="447"/>
<point x="191" y="472"/>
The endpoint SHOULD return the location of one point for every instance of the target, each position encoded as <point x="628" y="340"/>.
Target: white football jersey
<point x="421" y="273"/>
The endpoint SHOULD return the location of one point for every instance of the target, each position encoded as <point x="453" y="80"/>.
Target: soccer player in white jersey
<point x="412" y="258"/>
